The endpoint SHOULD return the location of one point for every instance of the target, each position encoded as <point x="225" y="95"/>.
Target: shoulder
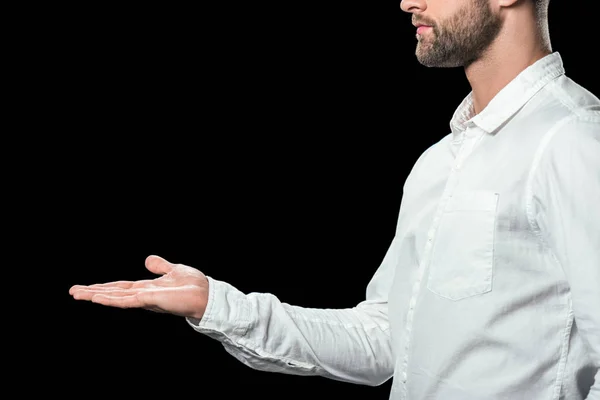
<point x="560" y="106"/>
<point x="569" y="152"/>
<point x="576" y="131"/>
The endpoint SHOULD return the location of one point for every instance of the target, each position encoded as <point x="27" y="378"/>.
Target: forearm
<point x="351" y="345"/>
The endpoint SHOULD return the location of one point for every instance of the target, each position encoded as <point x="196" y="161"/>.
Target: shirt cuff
<point x="227" y="314"/>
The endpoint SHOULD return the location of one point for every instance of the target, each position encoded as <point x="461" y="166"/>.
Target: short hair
<point x="541" y="17"/>
<point x="541" y="7"/>
<point x="541" y="11"/>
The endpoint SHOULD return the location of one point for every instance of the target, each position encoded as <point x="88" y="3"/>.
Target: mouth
<point x="422" y="28"/>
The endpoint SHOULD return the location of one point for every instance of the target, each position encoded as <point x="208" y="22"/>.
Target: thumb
<point x="158" y="265"/>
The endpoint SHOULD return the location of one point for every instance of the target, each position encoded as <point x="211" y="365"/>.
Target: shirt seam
<point x="289" y="361"/>
<point x="537" y="232"/>
<point x="245" y="344"/>
<point x="564" y="351"/>
<point x="529" y="185"/>
<point x="561" y="95"/>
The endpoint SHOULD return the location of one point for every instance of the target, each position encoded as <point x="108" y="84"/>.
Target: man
<point x="490" y="288"/>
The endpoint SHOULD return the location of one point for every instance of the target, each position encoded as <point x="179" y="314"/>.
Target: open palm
<point x="180" y="290"/>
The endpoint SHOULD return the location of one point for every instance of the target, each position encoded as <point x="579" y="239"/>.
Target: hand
<point x="181" y="290"/>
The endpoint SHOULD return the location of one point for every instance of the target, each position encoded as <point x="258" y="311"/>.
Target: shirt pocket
<point x="462" y="256"/>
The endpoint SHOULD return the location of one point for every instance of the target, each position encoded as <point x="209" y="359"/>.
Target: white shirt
<point x="490" y="288"/>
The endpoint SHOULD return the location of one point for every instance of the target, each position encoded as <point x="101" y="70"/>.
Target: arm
<point x="565" y="209"/>
<point x="351" y="345"/>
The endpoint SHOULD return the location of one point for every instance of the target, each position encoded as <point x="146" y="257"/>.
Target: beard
<point x="461" y="39"/>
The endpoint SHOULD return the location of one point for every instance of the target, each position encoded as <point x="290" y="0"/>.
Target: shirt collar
<point x="510" y="99"/>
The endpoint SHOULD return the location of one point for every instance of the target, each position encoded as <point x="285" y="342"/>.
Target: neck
<point x="523" y="42"/>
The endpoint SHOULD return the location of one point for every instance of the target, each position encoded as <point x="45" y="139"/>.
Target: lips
<point x="422" y="29"/>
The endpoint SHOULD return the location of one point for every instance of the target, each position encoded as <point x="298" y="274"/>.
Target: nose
<point x="413" y="6"/>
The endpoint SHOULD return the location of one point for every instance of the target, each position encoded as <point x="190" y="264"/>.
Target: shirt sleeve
<point x="350" y="345"/>
<point x="566" y="209"/>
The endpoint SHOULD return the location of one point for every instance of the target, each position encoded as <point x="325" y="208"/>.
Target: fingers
<point x="130" y="301"/>
<point x="111" y="285"/>
<point x="154" y="264"/>
<point x="119" y="284"/>
<point x="86" y="293"/>
<point x="158" y="265"/>
<point x="119" y="298"/>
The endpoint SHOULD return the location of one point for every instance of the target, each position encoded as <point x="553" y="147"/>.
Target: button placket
<point x="467" y="146"/>
<point x="416" y="289"/>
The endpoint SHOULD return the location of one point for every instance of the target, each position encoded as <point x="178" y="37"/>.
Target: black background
<point x="265" y="144"/>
